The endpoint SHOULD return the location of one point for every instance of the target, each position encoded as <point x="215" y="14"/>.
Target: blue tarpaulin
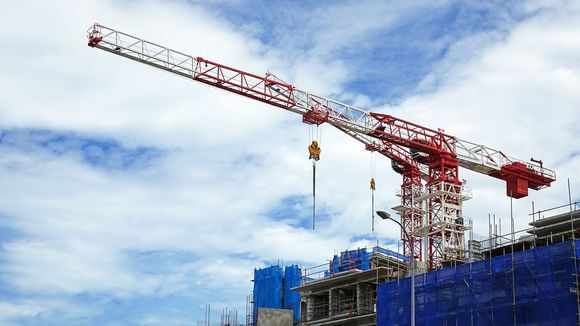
<point x="272" y="289"/>
<point x="354" y="259"/>
<point x="532" y="287"/>
<point x="291" y="298"/>
<point x="348" y="260"/>
<point x="357" y="259"/>
<point x="267" y="289"/>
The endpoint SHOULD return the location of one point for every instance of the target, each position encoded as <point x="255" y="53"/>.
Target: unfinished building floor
<point x="348" y="297"/>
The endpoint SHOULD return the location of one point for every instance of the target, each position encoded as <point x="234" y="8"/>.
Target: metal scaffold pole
<point x="513" y="262"/>
<point x="490" y="266"/>
<point x="534" y="222"/>
<point x="575" y="256"/>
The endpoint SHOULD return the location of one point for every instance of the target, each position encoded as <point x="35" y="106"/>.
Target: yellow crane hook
<point x="314" y="151"/>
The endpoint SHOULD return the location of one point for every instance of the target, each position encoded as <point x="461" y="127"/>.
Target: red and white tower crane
<point x="433" y="212"/>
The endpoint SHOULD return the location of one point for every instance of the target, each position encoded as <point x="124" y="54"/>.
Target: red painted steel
<point x="256" y="87"/>
<point x="409" y="145"/>
<point x="411" y="219"/>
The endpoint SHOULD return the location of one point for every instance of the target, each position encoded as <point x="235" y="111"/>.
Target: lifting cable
<point x="314" y="151"/>
<point x="373" y="186"/>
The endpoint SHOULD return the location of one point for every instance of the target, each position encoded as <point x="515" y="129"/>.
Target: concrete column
<point x="368" y="298"/>
<point x="359" y="298"/>
<point x="332" y="300"/>
<point x="309" y="308"/>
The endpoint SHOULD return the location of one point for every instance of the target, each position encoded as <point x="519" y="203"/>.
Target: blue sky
<point x="132" y="197"/>
<point x="392" y="54"/>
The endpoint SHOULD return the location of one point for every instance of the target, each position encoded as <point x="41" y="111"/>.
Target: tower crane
<point x="433" y="212"/>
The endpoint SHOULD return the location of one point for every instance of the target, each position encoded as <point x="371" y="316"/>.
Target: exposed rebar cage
<point x="228" y="317"/>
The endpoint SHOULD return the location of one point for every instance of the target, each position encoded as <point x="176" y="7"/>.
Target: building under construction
<point x="517" y="278"/>
<point x="528" y="277"/>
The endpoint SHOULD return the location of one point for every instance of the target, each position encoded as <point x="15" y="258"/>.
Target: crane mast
<point x="432" y="212"/>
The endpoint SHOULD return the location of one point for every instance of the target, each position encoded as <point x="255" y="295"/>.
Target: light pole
<point x="386" y="216"/>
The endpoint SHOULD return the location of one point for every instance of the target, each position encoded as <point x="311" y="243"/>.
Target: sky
<point x="133" y="197"/>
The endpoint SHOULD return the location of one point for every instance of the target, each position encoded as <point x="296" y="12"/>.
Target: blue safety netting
<point x="267" y="289"/>
<point x="354" y="259"/>
<point x="357" y="259"/>
<point x="291" y="298"/>
<point x="532" y="287"/>
<point x="348" y="260"/>
<point x="273" y="289"/>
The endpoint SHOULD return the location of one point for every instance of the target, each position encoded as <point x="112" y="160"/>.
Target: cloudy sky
<point x="133" y="197"/>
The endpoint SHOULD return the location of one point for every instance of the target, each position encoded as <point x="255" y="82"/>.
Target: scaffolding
<point x="524" y="277"/>
<point x="444" y="226"/>
<point x="250" y="309"/>
<point x="343" y="292"/>
<point x="531" y="287"/>
<point x="273" y="289"/>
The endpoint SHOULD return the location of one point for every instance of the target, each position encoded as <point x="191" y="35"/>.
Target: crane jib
<point x="406" y="143"/>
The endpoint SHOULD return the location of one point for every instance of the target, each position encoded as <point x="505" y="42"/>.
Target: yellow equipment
<point x="314" y="151"/>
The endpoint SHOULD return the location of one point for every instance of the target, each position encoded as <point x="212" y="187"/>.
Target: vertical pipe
<point x="470" y="242"/>
<point x="575" y="257"/>
<point x="569" y="196"/>
<point x="512" y="219"/>
<point x="500" y="235"/>
<point x="513" y="267"/>
<point x="489" y="239"/>
<point x="494" y="232"/>
<point x="571" y="219"/>
<point x="490" y="269"/>
<point x="377" y="266"/>
<point x="413" y="289"/>
<point x="534" y="222"/>
<point x="398" y="266"/>
<point x="412" y="237"/>
<point x="470" y="283"/>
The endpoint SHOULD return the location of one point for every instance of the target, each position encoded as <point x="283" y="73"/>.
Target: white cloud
<point x="520" y="96"/>
<point x="42" y="310"/>
<point x="80" y="225"/>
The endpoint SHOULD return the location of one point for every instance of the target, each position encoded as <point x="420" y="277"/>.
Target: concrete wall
<point x="274" y="317"/>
